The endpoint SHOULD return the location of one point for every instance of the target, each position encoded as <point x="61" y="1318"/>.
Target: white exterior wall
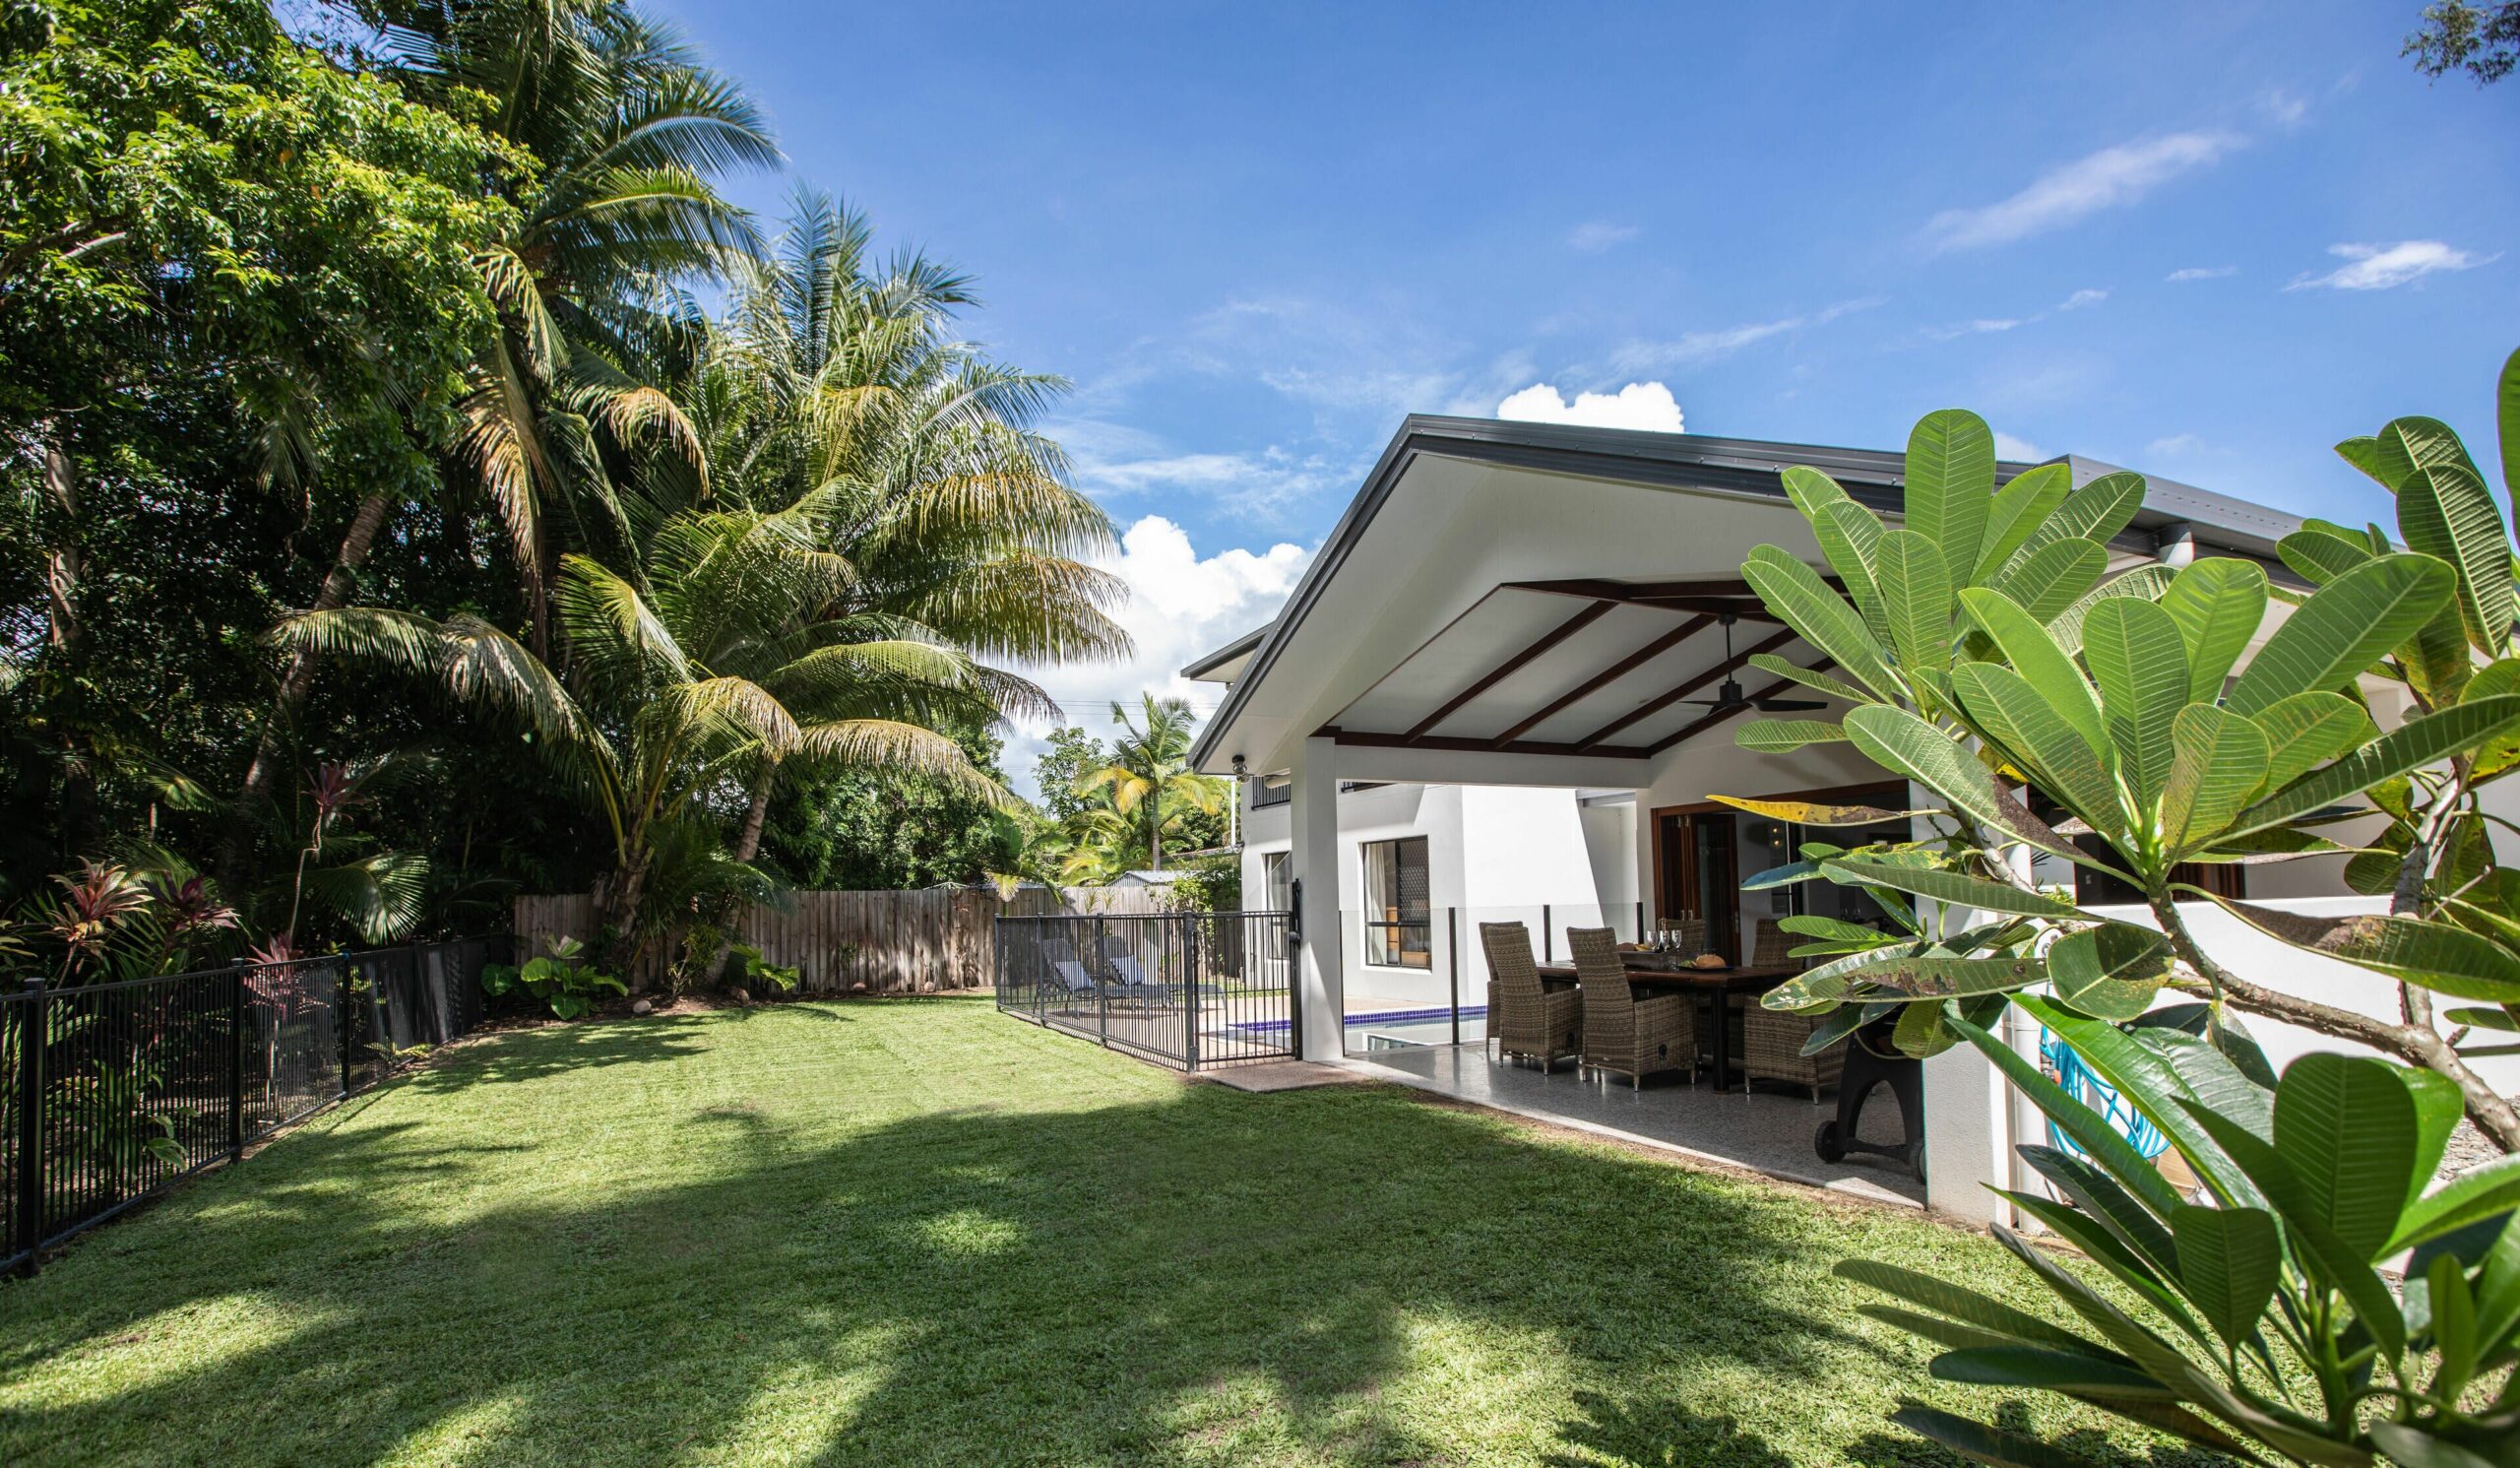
<point x="1493" y="853"/>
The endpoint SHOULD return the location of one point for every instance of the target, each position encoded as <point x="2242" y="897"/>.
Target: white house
<point x="1522" y="649"/>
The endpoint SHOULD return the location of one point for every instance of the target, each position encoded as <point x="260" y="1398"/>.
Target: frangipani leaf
<point x="2219" y="760"/>
<point x="2430" y="954"/>
<point x="2350" y="1129"/>
<point x="2328" y="1258"/>
<point x="2009" y="711"/>
<point x="1816" y="813"/>
<point x="1951" y="483"/>
<point x="2483" y="1192"/>
<point x="2020" y="507"/>
<point x="2218" y="604"/>
<point x="2053" y="577"/>
<point x="2110" y="972"/>
<point x="1817" y="682"/>
<point x="2146" y="582"/>
<point x="2409" y="746"/>
<point x="2229" y="1261"/>
<point x="1794" y="592"/>
<point x="2035" y="655"/>
<point x="2308" y="729"/>
<point x="1916" y="599"/>
<point x="2097" y="511"/>
<point x="2344" y="628"/>
<point x="2319" y="556"/>
<point x="2445" y="511"/>
<point x="1779" y="735"/>
<point x="1959" y="889"/>
<point x="1899" y="740"/>
<point x="2155" y="1074"/>
<point x="2138" y="659"/>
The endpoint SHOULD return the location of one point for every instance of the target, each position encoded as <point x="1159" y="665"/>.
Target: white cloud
<point x="1114" y="462"/>
<point x="1181" y="604"/>
<point x="2018" y="449"/>
<point x="1639" y="404"/>
<point x="1594" y="236"/>
<point x="2087" y="296"/>
<point x="2379" y="267"/>
<point x="1638" y="357"/>
<point x="2111" y="178"/>
<point x="2201" y="272"/>
<point x="2173" y="446"/>
<point x="1982" y="326"/>
<point x="2282" y="107"/>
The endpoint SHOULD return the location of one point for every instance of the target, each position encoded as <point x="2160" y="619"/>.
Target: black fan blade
<point x="1786" y="705"/>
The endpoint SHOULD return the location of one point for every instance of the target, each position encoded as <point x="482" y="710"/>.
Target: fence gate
<point x="1187" y="990"/>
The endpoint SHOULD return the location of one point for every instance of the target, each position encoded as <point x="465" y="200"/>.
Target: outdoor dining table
<point x="1717" y="985"/>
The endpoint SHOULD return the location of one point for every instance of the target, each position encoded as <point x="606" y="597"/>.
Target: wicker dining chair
<point x="1771" y="946"/>
<point x="1772" y="1040"/>
<point x="1634" y="1037"/>
<point x="1529" y="1020"/>
<point x="1687" y="934"/>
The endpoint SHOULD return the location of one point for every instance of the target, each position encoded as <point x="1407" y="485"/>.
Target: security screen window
<point x="1396" y="931"/>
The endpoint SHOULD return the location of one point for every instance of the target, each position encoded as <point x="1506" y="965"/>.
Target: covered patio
<point x="1520" y="607"/>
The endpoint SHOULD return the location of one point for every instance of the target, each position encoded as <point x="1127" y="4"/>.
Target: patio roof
<point x="1529" y="602"/>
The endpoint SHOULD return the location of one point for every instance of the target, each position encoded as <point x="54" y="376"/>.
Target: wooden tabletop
<point x="1764" y="976"/>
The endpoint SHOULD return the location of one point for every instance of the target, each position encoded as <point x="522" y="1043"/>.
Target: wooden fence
<point x="839" y="942"/>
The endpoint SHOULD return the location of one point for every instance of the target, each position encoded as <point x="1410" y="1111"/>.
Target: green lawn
<point x="918" y="1232"/>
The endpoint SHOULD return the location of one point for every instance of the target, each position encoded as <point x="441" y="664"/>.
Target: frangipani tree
<point x="2127" y="702"/>
<point x="1987" y="658"/>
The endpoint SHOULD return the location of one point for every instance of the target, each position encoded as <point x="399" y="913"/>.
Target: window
<point x="1397" y="930"/>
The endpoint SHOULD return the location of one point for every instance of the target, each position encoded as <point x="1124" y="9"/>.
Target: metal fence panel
<point x="1187" y="990"/>
<point x="114" y="1092"/>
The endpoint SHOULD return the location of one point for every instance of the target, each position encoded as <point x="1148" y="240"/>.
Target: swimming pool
<point x="1389" y="1029"/>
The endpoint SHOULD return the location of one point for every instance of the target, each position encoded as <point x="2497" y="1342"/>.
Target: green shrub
<point x="760" y="971"/>
<point x="560" y="978"/>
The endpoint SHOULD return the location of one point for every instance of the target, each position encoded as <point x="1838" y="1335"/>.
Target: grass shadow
<point x="1011" y="1249"/>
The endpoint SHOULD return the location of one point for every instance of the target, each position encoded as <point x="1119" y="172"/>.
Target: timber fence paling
<point x="891" y="942"/>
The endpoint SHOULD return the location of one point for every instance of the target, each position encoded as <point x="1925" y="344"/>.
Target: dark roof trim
<point x="1239" y="646"/>
<point x="1695" y="460"/>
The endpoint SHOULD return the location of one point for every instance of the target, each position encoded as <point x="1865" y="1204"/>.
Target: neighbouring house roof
<point x="1436" y="615"/>
<point x="1226" y="663"/>
<point x="1146" y="879"/>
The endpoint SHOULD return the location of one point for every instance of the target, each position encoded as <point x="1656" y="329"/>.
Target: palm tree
<point x="1150" y="783"/>
<point x="676" y="690"/>
<point x="837" y="385"/>
<point x="620" y="131"/>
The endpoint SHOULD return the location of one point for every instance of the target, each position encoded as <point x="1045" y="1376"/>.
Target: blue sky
<point x="2202" y="240"/>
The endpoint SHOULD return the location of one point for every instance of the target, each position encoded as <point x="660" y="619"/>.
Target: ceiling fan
<point x="1730" y="696"/>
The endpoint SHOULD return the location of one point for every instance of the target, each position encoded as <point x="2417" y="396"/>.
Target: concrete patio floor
<point x="1765" y="1132"/>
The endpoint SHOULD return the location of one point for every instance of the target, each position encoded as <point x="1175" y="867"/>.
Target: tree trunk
<point x="64" y="566"/>
<point x="748" y="840"/>
<point x="2418" y="1046"/>
<point x="261" y="777"/>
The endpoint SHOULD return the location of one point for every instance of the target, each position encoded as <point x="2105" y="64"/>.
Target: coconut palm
<point x="837" y="387"/>
<point x="620" y="131"/>
<point x="679" y="686"/>
<point x="1152" y="786"/>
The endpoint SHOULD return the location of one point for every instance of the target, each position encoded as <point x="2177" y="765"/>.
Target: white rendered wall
<point x="1609" y="846"/>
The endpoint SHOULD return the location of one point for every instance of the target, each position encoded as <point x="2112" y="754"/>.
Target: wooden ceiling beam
<point x="1592" y="613"/>
<point x="1610" y="674"/>
<point x="1657" y="704"/>
<point x="1370" y="740"/>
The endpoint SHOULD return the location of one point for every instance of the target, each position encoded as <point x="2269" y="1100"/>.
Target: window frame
<point x="1394" y="932"/>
